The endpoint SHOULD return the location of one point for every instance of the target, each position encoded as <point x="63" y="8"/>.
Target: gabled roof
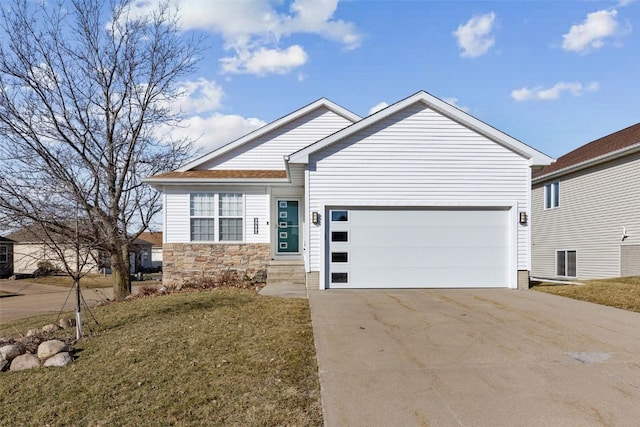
<point x="536" y="158"/>
<point x="320" y="103"/>
<point x="607" y="148"/>
<point x="4" y="239"/>
<point x="153" y="237"/>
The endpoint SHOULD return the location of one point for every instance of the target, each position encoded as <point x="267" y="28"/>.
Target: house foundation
<point x="184" y="262"/>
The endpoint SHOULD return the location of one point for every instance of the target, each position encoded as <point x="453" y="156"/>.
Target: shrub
<point x="45" y="268"/>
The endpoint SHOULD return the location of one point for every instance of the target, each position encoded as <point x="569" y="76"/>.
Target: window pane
<point x="339" y="277"/>
<point x="339" y="216"/>
<point x="560" y="258"/>
<point x="547" y="196"/>
<point x="556" y="194"/>
<point x="230" y="229"/>
<point x="339" y="257"/>
<point x="231" y="204"/>
<point x="3" y="255"/>
<point x="202" y="204"/>
<point x="571" y="263"/>
<point x="202" y="229"/>
<point x="339" y="236"/>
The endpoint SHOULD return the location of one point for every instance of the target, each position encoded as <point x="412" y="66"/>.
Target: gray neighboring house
<point x="6" y="257"/>
<point x="586" y="211"/>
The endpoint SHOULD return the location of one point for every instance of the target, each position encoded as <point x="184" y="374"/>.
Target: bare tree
<point x="84" y="88"/>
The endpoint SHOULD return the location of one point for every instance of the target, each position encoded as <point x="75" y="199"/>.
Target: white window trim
<point x="216" y="218"/>
<point x="552" y="189"/>
<point x="566" y="263"/>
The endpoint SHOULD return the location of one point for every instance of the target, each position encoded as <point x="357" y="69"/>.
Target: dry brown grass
<point x="621" y="292"/>
<point x="89" y="281"/>
<point x="218" y="357"/>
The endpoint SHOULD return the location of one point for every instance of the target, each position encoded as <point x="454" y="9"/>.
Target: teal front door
<point x="288" y="227"/>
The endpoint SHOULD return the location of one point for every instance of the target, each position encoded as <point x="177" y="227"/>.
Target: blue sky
<point x="553" y="74"/>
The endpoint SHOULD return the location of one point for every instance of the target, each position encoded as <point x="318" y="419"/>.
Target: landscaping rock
<point x="67" y="323"/>
<point x="4" y="365"/>
<point x="32" y="332"/>
<point x="51" y="348"/>
<point x="50" y="328"/>
<point x="60" y="359"/>
<point x="11" y="351"/>
<point x="25" y="361"/>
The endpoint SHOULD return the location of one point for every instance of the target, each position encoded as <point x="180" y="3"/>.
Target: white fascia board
<point x="589" y="163"/>
<point x="322" y="102"/>
<point x="536" y="158"/>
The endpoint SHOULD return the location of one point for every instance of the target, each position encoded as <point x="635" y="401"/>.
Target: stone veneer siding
<point x="183" y="262"/>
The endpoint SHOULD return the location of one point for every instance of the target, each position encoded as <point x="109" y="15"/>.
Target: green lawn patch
<point x="220" y="357"/>
<point x="620" y="292"/>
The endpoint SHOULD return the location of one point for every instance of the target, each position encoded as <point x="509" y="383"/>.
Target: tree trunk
<point x="120" y="269"/>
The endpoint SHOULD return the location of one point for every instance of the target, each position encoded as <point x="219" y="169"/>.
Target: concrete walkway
<point x="474" y="358"/>
<point x="284" y="290"/>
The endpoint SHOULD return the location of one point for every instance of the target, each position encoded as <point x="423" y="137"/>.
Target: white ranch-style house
<point x="417" y="195"/>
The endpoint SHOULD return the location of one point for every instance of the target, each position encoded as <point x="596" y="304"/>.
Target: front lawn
<point x="219" y="357"/>
<point x="621" y="292"/>
<point x="90" y="281"/>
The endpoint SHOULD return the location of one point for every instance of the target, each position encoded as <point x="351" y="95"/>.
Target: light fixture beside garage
<point x="523" y="218"/>
<point x="315" y="218"/>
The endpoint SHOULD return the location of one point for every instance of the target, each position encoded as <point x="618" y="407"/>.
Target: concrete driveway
<point x="474" y="358"/>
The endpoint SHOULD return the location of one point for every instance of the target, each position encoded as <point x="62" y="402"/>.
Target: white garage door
<point x="417" y="248"/>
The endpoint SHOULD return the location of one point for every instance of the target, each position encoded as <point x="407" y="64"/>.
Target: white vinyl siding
<point x="596" y="204"/>
<point x="418" y="157"/>
<point x="267" y="152"/>
<point x="178" y="213"/>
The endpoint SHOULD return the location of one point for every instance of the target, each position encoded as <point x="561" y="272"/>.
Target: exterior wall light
<point x="315" y="218"/>
<point x="523" y="218"/>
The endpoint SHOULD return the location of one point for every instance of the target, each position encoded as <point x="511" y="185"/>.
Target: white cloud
<point x="592" y="33"/>
<point x="199" y="96"/>
<point x="215" y="130"/>
<point x="474" y="37"/>
<point x="553" y="93"/>
<point x="379" y="106"/>
<point x="264" y="61"/>
<point x="454" y="102"/>
<point x="249" y="27"/>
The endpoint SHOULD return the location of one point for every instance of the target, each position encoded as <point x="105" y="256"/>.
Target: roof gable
<point x="535" y="157"/>
<point x="602" y="149"/>
<point x="271" y="127"/>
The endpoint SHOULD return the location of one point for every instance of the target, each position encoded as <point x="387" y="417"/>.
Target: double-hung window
<point x="230" y="218"/>
<point x="566" y="263"/>
<point x="216" y="217"/>
<point x="203" y="222"/>
<point x="4" y="254"/>
<point x="552" y="195"/>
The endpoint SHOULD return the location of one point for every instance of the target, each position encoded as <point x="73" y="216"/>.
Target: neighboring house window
<point x="4" y="254"/>
<point x="223" y="213"/>
<point x="552" y="195"/>
<point x="566" y="263"/>
<point x="203" y="217"/>
<point x="231" y="219"/>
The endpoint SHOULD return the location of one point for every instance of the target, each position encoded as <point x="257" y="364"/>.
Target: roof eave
<point x="162" y="182"/>
<point x="589" y="163"/>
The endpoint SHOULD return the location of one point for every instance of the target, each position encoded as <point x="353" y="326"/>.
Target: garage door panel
<point x="434" y="257"/>
<point x="412" y="247"/>
<point x="477" y="277"/>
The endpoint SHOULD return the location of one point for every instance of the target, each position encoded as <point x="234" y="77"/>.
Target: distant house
<point x="586" y="211"/>
<point x="417" y="195"/>
<point x="155" y="238"/>
<point x="31" y="246"/>
<point x="6" y="257"/>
